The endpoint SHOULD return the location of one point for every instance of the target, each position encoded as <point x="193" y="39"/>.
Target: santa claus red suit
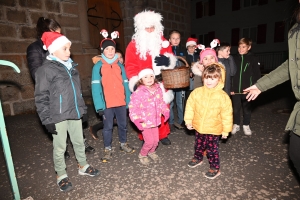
<point x="149" y="49"/>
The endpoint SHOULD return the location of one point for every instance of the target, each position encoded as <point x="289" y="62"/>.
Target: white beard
<point x="147" y="43"/>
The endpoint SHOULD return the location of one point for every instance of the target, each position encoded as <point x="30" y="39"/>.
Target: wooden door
<point x="103" y="14"/>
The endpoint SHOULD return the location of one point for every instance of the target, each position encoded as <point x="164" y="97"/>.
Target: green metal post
<point x="5" y="143"/>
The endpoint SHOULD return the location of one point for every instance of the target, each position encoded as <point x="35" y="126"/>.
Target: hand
<point x="162" y="60"/>
<point x="138" y="124"/>
<point x="51" y="128"/>
<point x="231" y="93"/>
<point x="253" y="92"/>
<point x="100" y="112"/>
<point x="167" y="116"/>
<point x="200" y="67"/>
<point x="224" y="137"/>
<point x="85" y="117"/>
<point x="189" y="126"/>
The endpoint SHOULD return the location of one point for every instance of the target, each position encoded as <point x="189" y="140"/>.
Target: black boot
<point x="88" y="148"/>
<point x="165" y="141"/>
<point x="67" y="155"/>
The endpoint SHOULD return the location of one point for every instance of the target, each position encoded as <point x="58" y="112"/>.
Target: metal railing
<point x="271" y="60"/>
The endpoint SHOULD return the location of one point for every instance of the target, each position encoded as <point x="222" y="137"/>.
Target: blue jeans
<point x="108" y="122"/>
<point x="179" y="104"/>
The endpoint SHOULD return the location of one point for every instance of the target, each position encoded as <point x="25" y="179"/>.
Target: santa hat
<point x="209" y="51"/>
<point x="108" y="41"/>
<point x="145" y="72"/>
<point x="53" y="41"/>
<point x="146" y="19"/>
<point x="191" y="42"/>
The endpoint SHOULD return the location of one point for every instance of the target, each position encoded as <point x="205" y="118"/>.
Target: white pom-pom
<point x="44" y="47"/>
<point x="165" y="44"/>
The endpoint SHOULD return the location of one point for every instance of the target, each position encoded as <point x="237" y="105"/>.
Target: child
<point x="174" y="38"/>
<point x="223" y="52"/>
<point x="111" y="95"/>
<point x="209" y="112"/>
<point x="145" y="109"/>
<point x="60" y="105"/>
<point x="95" y="128"/>
<point x="248" y="72"/>
<point x="191" y="58"/>
<point x="207" y="57"/>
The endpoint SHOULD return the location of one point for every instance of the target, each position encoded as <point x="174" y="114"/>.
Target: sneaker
<point x="212" y="173"/>
<point x="165" y="141"/>
<point x="107" y="155"/>
<point x="194" y="163"/>
<point x="88" y="170"/>
<point x="153" y="156"/>
<point x="247" y="130"/>
<point x="172" y="127"/>
<point x="93" y="133"/>
<point x="64" y="184"/>
<point x="88" y="148"/>
<point x="126" y="148"/>
<point x="235" y="128"/>
<point x="144" y="159"/>
<point x="178" y="126"/>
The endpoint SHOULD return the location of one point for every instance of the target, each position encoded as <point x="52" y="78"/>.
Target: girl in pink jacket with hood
<point x="145" y="109"/>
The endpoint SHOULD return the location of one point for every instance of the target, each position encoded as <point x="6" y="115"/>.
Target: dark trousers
<point x="108" y="122"/>
<point x="210" y="143"/>
<point x="238" y="101"/>
<point x="294" y="150"/>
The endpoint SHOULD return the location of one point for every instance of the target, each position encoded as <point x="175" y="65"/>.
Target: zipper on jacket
<point x="241" y="70"/>
<point x="75" y="98"/>
<point x="60" y="101"/>
<point x="246" y="66"/>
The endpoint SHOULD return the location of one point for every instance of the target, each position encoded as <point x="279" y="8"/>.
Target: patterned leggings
<point x="210" y="143"/>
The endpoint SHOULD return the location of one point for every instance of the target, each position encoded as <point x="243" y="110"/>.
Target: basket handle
<point x="182" y="59"/>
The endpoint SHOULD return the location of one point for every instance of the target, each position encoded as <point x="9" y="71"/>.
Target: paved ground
<point x="253" y="167"/>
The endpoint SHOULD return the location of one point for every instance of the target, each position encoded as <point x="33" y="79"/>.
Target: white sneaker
<point x="235" y="128"/>
<point x="247" y="130"/>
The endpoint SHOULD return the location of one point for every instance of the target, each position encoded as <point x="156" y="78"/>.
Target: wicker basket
<point x="178" y="77"/>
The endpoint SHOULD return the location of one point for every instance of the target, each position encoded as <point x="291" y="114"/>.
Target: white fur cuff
<point x="132" y="82"/>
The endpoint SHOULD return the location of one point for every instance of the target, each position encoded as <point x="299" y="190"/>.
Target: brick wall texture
<point x="17" y="30"/>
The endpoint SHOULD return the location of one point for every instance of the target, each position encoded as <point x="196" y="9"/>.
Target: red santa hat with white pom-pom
<point x="191" y="42"/>
<point x="53" y="41"/>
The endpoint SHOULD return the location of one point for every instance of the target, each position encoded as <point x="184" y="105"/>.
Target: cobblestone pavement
<point x="252" y="167"/>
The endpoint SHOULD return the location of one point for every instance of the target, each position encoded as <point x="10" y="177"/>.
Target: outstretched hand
<point x="253" y="92"/>
<point x="162" y="60"/>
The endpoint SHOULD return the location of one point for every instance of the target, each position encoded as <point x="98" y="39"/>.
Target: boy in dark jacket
<point x="60" y="105"/>
<point x="248" y="72"/>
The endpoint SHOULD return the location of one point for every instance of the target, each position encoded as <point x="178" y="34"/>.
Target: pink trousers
<point x="151" y="139"/>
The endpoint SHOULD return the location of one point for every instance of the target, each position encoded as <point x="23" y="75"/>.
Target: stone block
<point x="28" y="32"/>
<point x="70" y="8"/>
<point x="73" y="34"/>
<point x="16" y="79"/>
<point x="6" y="109"/>
<point x="36" y="4"/>
<point x="166" y="6"/>
<point x="177" y="2"/>
<point x="182" y="11"/>
<point x="13" y="46"/>
<point x="34" y="16"/>
<point x="24" y="107"/>
<point x="27" y="92"/>
<point x="170" y="16"/>
<point x="52" y="6"/>
<point x="17" y="16"/>
<point x="152" y="4"/>
<point x="177" y="18"/>
<point x="8" y="30"/>
<point x="174" y="9"/>
<point x="168" y="25"/>
<point x="170" y="1"/>
<point x="8" y="3"/>
<point x="9" y="93"/>
<point x="67" y="21"/>
<point x="76" y="48"/>
<point x="174" y="25"/>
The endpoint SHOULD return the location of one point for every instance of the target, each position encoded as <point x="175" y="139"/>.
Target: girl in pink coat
<point x="145" y="109"/>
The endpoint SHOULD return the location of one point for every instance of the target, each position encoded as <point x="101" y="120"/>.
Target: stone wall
<point x="17" y="30"/>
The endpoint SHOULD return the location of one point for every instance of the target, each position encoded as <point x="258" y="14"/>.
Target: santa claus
<point x="149" y="49"/>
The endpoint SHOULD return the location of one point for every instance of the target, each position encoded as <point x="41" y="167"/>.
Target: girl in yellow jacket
<point x="209" y="112"/>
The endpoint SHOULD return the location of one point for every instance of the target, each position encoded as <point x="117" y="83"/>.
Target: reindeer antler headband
<point x="108" y="41"/>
